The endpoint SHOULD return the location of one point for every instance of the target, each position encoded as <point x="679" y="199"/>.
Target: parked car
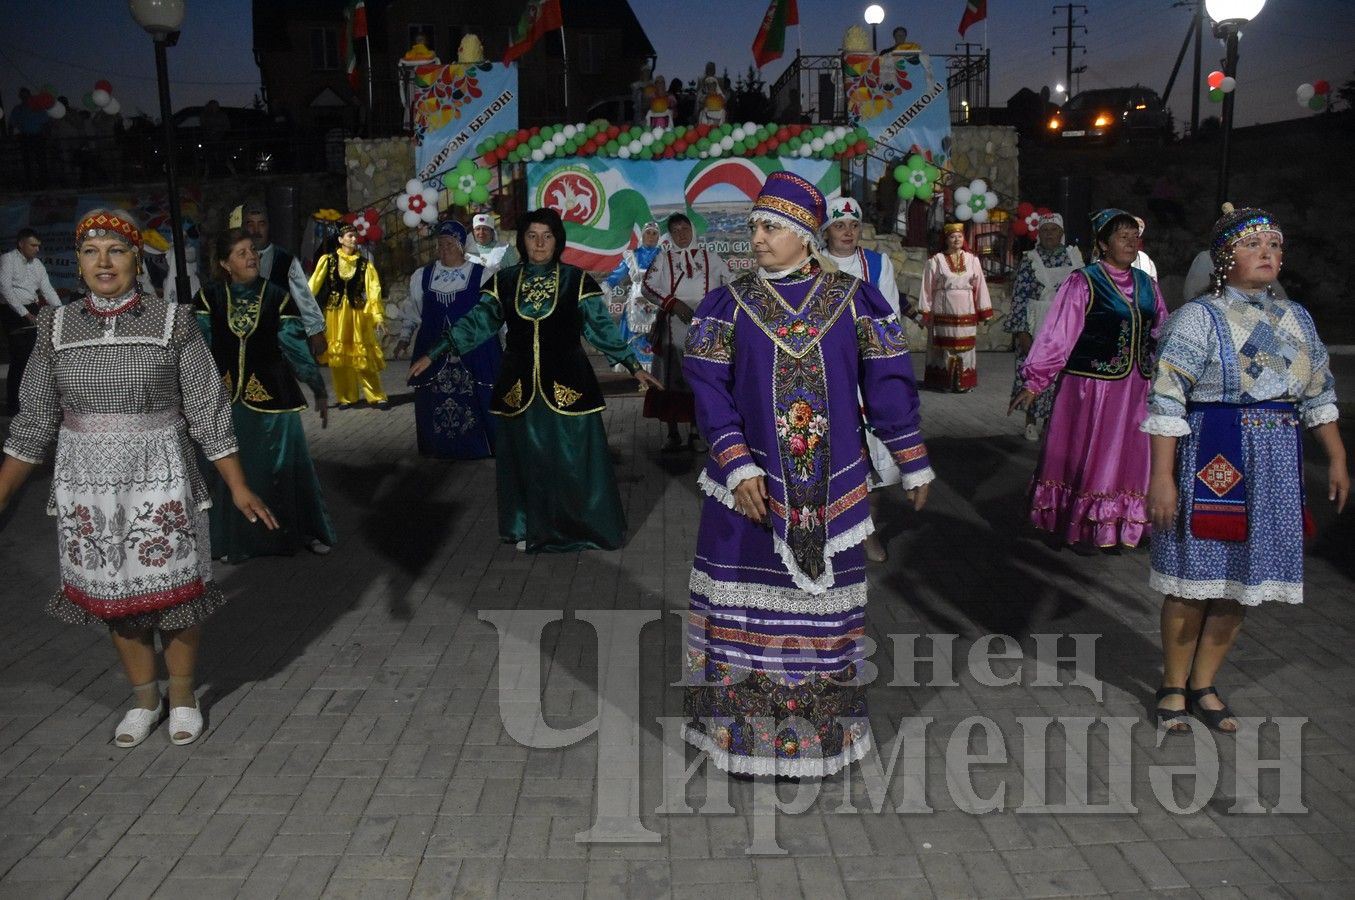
<point x="1109" y="115"/>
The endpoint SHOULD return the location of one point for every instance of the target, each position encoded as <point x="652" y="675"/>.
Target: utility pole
<point x="1195" y="92"/>
<point x="1069" y="45"/>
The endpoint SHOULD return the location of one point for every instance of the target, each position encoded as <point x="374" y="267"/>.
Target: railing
<point x="813" y="89"/>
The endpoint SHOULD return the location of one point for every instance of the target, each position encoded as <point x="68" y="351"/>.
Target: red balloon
<point x="103" y="84"/>
<point x="782" y="134"/>
<point x="1215" y="79"/>
<point x="1320" y="86"/>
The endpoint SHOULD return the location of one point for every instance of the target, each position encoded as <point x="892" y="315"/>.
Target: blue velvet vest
<point x="1116" y="336"/>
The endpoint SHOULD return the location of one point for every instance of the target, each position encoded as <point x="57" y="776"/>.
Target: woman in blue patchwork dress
<point x="1239" y="374"/>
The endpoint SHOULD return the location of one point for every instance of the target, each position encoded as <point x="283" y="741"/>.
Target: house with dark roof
<point x="299" y="48"/>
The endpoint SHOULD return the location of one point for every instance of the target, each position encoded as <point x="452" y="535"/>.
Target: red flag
<point x="975" y="11"/>
<point x="771" y="36"/>
<point x="539" y="17"/>
<point x="355" y="28"/>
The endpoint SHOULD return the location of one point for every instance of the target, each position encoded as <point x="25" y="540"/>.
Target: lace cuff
<point x="743" y="472"/>
<point x="1165" y="426"/>
<point x="919" y="478"/>
<point x="1320" y="415"/>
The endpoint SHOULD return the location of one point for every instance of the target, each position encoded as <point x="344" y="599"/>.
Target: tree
<point x="1347" y="93"/>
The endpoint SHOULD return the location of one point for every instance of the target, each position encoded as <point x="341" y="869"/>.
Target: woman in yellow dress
<point x="348" y="287"/>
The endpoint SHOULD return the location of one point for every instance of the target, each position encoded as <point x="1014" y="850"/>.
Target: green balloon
<point x="793" y="143"/>
<point x="535" y="141"/>
<point x="669" y="137"/>
<point x="840" y="146"/>
<point x="1215" y="95"/>
<point x="479" y="194"/>
<point x="905" y="191"/>
<point x="739" y="148"/>
<point x="647" y="152"/>
<point x="611" y="147"/>
<point x="1317" y="102"/>
<point x="547" y="132"/>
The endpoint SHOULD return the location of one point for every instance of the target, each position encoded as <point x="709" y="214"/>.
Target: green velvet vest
<point x="245" y="346"/>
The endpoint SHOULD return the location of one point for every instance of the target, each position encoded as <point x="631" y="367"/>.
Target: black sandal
<point x="1211" y="717"/>
<point x="1167" y="718"/>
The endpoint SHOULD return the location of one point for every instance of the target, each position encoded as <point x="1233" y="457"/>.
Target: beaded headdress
<point x="451" y="228"/>
<point x="107" y="223"/>
<point x="792" y="202"/>
<point x="1233" y="226"/>
<point x="952" y="227"/>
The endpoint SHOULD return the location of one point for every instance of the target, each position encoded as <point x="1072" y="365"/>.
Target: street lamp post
<point x="1229" y="17"/>
<point x="162" y="19"/>
<point x="875" y="14"/>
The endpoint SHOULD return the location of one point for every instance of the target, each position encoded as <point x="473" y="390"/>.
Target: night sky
<point x="71" y="44"/>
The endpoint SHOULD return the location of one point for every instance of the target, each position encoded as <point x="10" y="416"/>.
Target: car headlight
<point x="1102" y="121"/>
<point x="1054" y="124"/>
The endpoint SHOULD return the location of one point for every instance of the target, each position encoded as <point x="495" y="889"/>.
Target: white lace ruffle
<point x="751" y="595"/>
<point x="789" y="768"/>
<point x="1320" y="415"/>
<point x="918" y="479"/>
<point x="1165" y="426"/>
<point x="742" y="473"/>
<point x="1227" y="589"/>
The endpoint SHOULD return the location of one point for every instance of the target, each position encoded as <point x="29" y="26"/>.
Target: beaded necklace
<point x="957" y="268"/>
<point x="109" y="307"/>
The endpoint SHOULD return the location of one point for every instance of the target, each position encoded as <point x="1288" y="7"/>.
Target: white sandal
<point x="136" y="725"/>
<point x="186" y="719"/>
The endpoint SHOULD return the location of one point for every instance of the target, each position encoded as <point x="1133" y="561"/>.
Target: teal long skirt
<point x="279" y="469"/>
<point x="557" y="490"/>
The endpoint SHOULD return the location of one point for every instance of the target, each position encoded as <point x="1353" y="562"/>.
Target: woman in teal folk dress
<point x="259" y="344"/>
<point x="557" y="490"/>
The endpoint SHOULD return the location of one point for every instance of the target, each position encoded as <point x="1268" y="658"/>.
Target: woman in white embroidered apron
<point x="121" y="381"/>
<point x="954" y="300"/>
<point x="1038" y="278"/>
<point x="1239" y="374"/>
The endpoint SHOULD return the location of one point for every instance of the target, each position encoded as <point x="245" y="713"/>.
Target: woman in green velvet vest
<point x="557" y="490"/>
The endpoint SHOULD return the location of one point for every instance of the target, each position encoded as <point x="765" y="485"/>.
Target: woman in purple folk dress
<point x="778" y="586"/>
<point x="1096" y="349"/>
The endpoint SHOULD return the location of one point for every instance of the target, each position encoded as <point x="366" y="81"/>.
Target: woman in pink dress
<point x="1096" y="348"/>
<point x="954" y="301"/>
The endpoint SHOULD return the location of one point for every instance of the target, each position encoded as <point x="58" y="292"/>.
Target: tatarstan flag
<point x="975" y="11"/>
<point x="771" y="37"/>
<point x="539" y="17"/>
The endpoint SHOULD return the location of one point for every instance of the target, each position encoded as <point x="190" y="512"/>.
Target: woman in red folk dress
<point x="954" y="301"/>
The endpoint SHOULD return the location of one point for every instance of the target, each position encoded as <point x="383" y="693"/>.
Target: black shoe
<point x="384" y="405"/>
<point x="1214" y="718"/>
<point x="344" y="406"/>
<point x="672" y="445"/>
<point x="1168" y="718"/>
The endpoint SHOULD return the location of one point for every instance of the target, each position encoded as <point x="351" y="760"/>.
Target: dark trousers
<point x="21" y="336"/>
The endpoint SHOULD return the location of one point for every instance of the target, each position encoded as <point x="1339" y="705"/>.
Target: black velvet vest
<point x="544" y="354"/>
<point x="1116" y="336"/>
<point x="245" y="346"/>
<point x="282" y="265"/>
<point x="336" y="290"/>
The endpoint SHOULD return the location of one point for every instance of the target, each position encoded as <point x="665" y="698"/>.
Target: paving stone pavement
<point x="355" y="745"/>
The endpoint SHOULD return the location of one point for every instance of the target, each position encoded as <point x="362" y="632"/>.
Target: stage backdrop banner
<point x="606" y="202"/>
<point x="899" y="101"/>
<point x="54" y="216"/>
<point x="456" y="107"/>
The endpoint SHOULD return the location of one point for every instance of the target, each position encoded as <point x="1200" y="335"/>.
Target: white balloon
<point x="658" y="132"/>
<point x="430" y="213"/>
<point x="981" y="216"/>
<point x="737" y="134"/>
<point x="716" y="150"/>
<point x="989" y="200"/>
<point x="963" y="212"/>
<point x="1306" y="92"/>
<point x="646" y="139"/>
<point x="749" y="127"/>
<point x="978" y="186"/>
<point x="703" y="154"/>
<point x="113" y="107"/>
<point x="816" y="144"/>
<point x="100" y="97"/>
<point x="635" y="146"/>
<point x="1228" y="85"/>
<point x="57" y="110"/>
<point x="402" y="203"/>
<point x="538" y="155"/>
<point x="569" y="131"/>
<point x="962" y="196"/>
<point x="624" y="151"/>
<point x="411" y="219"/>
<point x="413" y="186"/>
<point x="806" y="150"/>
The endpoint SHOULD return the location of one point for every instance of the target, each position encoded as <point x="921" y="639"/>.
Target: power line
<point x="1069" y="44"/>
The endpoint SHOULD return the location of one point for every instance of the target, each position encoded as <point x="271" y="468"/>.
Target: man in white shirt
<point x="487" y="249"/>
<point x="284" y="270"/>
<point x="675" y="282"/>
<point x="24" y="287"/>
<point x="842" y="247"/>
